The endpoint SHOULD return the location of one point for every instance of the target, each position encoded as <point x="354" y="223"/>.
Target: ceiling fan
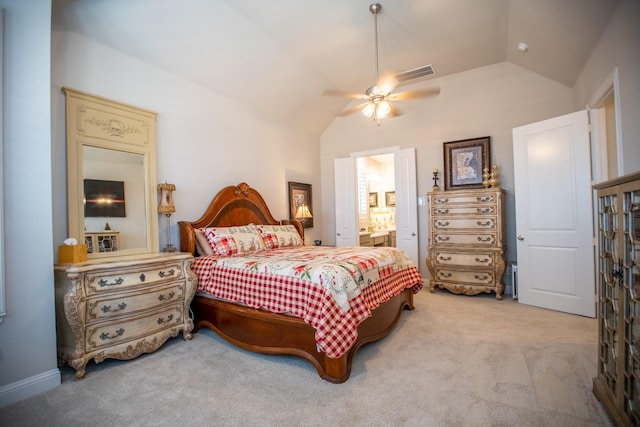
<point x="377" y="105"/>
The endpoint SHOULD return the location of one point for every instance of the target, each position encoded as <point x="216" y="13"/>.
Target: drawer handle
<point x="102" y="283"/>
<point x="442" y="224"/>
<point x="483" y="224"/>
<point x="170" y="273"/>
<point x="443" y="274"/>
<point x="482" y="261"/>
<point x="163" y="297"/>
<point x="442" y="211"/>
<point x="439" y="200"/>
<point x="443" y="238"/>
<point x="484" y="210"/>
<point x="478" y="277"/>
<point x="484" y="239"/>
<point x="484" y="198"/>
<point x="119" y="307"/>
<point x="161" y="319"/>
<point x="106" y="336"/>
<point x="444" y="258"/>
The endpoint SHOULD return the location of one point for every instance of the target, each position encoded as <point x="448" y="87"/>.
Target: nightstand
<point x="121" y="307"/>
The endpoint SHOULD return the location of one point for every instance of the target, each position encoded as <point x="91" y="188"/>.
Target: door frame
<point x="596" y="121"/>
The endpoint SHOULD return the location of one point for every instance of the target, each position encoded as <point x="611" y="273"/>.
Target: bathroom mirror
<point x="111" y="176"/>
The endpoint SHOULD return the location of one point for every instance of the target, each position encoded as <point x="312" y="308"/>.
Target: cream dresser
<point x="465" y="253"/>
<point x="121" y="307"/>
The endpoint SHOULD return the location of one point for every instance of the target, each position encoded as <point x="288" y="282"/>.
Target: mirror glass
<point x="114" y="230"/>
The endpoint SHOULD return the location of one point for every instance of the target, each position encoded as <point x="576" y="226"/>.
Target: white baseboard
<point x="28" y="387"/>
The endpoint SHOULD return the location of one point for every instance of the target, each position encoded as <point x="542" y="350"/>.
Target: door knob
<point x="520" y="237"/>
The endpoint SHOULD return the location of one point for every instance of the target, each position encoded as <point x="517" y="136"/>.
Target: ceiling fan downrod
<point x="375" y="8"/>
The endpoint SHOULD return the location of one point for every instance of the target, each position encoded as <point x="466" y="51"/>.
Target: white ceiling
<point x="277" y="57"/>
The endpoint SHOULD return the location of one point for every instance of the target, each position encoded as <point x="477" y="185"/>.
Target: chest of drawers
<point x="465" y="253"/>
<point x="122" y="307"/>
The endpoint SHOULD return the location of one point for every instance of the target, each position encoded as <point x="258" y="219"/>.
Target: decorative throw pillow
<point x="280" y="236"/>
<point x="228" y="241"/>
<point x="202" y="244"/>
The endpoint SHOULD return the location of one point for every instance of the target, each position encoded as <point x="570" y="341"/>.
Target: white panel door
<point x="345" y="205"/>
<point x="406" y="202"/>
<point x="555" y="251"/>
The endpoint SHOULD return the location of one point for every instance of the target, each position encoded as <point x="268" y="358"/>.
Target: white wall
<point x="28" y="362"/>
<point x="205" y="141"/>
<point x="488" y="101"/>
<point x="618" y="47"/>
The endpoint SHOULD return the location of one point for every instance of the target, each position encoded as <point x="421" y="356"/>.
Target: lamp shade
<point x="166" y="198"/>
<point x="303" y="212"/>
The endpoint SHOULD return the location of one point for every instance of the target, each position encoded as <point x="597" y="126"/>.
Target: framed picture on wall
<point x="300" y="203"/>
<point x="390" y="198"/>
<point x="464" y="162"/>
<point x="373" y="200"/>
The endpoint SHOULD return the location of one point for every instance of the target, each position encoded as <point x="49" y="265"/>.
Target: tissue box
<point x="68" y="254"/>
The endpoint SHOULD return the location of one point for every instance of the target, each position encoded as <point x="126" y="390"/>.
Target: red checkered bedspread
<point x="331" y="289"/>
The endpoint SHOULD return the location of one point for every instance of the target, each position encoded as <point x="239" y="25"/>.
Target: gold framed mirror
<point x="111" y="176"/>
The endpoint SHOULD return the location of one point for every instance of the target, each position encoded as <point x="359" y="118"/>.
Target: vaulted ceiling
<point x="277" y="57"/>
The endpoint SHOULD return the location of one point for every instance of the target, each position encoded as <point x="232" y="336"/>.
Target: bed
<point x="326" y="337"/>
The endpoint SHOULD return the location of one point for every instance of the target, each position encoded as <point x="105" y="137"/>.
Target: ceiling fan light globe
<point x="369" y="109"/>
<point x="383" y="109"/>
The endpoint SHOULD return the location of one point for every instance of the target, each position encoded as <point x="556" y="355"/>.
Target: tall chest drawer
<point x="477" y="259"/>
<point x="465" y="253"/>
<point x="459" y="224"/>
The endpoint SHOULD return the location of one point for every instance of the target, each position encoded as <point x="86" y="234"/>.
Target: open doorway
<point x="404" y="195"/>
<point x="376" y="200"/>
<point x="604" y="117"/>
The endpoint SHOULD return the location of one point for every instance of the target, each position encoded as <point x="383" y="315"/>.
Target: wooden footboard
<point x="264" y="332"/>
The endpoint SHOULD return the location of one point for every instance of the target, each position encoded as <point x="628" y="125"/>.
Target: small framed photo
<point x="301" y="204"/>
<point x="389" y="198"/>
<point x="373" y="200"/>
<point x="464" y="162"/>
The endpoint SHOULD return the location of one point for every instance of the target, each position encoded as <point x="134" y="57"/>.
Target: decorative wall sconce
<point x="166" y="208"/>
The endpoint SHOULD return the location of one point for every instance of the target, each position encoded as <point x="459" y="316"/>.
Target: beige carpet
<point x="453" y="361"/>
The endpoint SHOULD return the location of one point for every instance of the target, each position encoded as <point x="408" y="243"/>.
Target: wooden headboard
<point x="232" y="206"/>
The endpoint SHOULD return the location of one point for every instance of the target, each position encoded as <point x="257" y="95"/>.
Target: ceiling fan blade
<point x="394" y="112"/>
<point x="413" y="94"/>
<point x="352" y="110"/>
<point x="334" y="92"/>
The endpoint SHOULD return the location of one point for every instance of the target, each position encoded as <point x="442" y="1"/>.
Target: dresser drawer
<point x="488" y="239"/>
<point x="108" y="306"/>
<point x="475" y="259"/>
<point x="464" y="224"/>
<point x="468" y="199"/>
<point x="107" y="334"/>
<point x="467" y="277"/>
<point x="130" y="278"/>
<point x="464" y="210"/>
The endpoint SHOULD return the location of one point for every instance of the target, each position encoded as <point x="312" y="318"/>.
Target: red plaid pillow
<point x="270" y="240"/>
<point x="221" y="245"/>
<point x="279" y="236"/>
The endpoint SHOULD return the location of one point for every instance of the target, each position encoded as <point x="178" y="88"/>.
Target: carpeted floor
<point x="453" y="361"/>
